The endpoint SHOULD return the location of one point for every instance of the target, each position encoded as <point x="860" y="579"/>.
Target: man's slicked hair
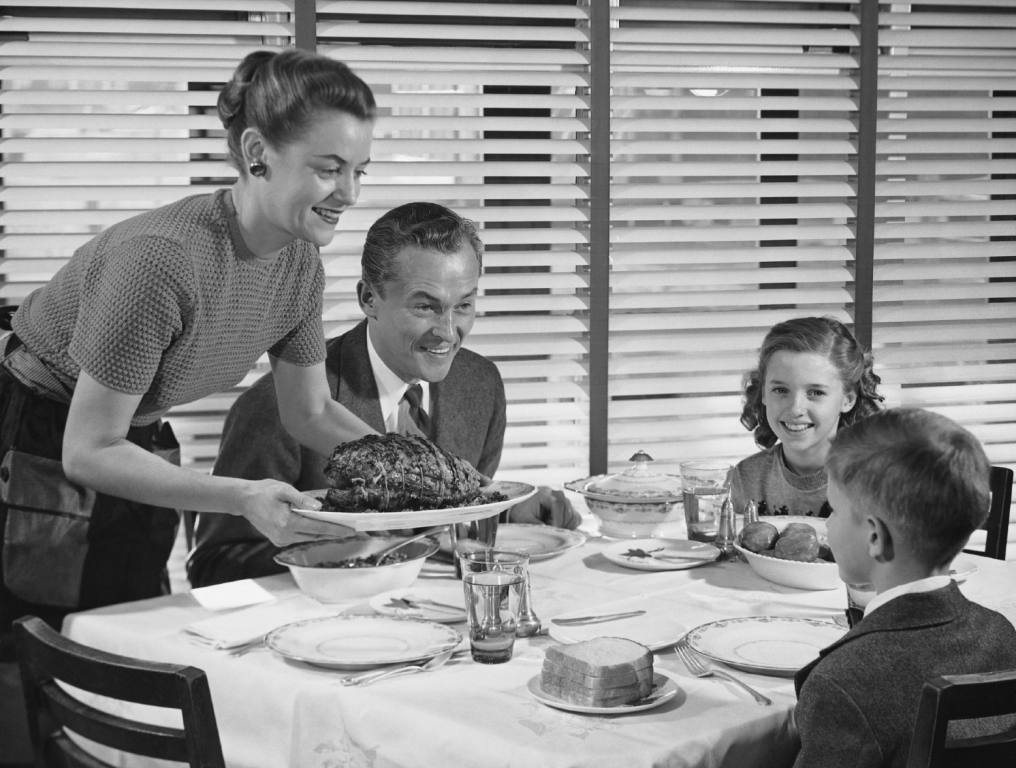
<point x="424" y="225"/>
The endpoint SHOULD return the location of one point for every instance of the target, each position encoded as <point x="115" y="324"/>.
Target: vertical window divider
<point x="305" y="24"/>
<point x="864" y="243"/>
<point x="599" y="233"/>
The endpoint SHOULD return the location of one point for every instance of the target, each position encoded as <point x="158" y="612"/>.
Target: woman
<point x="165" y="308"/>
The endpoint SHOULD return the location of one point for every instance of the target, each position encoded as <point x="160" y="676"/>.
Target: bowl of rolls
<point x="791" y="551"/>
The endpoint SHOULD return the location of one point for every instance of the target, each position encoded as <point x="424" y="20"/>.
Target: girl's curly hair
<point x="824" y="336"/>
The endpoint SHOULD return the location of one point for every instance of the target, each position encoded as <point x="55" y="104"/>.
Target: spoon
<point x="373" y="677"/>
<point x="382" y="554"/>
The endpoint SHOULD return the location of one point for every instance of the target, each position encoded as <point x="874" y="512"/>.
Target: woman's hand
<point x="267" y="505"/>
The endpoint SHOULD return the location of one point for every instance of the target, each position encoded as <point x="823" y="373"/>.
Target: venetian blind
<point x="483" y="108"/>
<point x="945" y="253"/>
<point x="733" y="178"/>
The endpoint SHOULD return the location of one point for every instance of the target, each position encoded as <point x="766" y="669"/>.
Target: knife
<point x="596" y="618"/>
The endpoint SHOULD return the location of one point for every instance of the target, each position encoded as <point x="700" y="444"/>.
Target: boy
<point x="907" y="488"/>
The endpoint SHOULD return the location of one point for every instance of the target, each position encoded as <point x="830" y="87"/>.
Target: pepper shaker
<point x="750" y="512"/>
<point x="725" y="534"/>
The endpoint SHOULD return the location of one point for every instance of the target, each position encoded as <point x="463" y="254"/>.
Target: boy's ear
<point x="880" y="540"/>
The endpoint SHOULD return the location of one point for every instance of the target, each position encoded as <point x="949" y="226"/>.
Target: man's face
<point x="426" y="312"/>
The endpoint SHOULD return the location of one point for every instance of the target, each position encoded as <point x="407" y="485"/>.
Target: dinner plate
<point x="661" y="554"/>
<point x="538" y="541"/>
<point x="361" y="642"/>
<point x="655" y="628"/>
<point x="767" y="645"/>
<point x="417" y="518"/>
<point x="439" y="601"/>
<point x="664" y="689"/>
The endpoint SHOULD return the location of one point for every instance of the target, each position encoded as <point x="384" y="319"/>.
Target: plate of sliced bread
<point x="601" y="676"/>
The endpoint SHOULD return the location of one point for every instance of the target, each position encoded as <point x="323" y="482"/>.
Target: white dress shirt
<point x="910" y="588"/>
<point x="391" y="388"/>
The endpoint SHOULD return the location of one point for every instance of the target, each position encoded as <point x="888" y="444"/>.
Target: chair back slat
<point x="996" y="524"/>
<point x="112" y="730"/>
<point x="46" y="658"/>
<point x="984" y="701"/>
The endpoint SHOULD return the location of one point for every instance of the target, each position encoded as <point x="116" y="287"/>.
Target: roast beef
<point x="395" y="472"/>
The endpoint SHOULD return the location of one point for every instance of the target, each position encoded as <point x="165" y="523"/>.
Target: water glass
<point x="476" y="560"/>
<point x="492" y="609"/>
<point x="705" y="485"/>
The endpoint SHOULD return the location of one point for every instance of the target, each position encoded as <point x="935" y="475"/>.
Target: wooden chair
<point x="958" y="697"/>
<point x="997" y="523"/>
<point x="46" y="657"/>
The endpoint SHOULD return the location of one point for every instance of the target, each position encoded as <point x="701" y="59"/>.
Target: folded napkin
<point x="248" y="625"/>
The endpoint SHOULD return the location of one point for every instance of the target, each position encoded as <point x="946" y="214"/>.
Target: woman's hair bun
<point x="232" y="97"/>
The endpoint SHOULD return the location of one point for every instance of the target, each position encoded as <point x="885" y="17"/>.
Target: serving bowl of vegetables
<point x="338" y="570"/>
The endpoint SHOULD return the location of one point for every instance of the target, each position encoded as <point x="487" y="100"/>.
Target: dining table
<point x="274" y="710"/>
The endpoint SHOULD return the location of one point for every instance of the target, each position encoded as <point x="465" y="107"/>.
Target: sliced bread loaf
<point x="566" y="690"/>
<point x="602" y="671"/>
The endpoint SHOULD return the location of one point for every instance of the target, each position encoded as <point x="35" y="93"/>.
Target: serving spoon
<point x="382" y="554"/>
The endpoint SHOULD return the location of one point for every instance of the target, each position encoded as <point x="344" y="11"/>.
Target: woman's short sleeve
<point x="305" y="344"/>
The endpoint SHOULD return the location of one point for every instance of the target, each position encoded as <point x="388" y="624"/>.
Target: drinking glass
<point x="492" y="609"/>
<point x="705" y="485"/>
<point x="488" y="559"/>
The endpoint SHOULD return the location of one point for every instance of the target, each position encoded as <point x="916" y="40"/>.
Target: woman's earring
<point x="257" y="168"/>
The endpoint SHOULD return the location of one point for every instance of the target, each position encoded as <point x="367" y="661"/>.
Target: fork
<point x="252" y="645"/>
<point x="698" y="668"/>
<point x="373" y="677"/>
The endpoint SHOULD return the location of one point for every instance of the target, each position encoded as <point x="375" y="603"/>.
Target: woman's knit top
<point x="172" y="305"/>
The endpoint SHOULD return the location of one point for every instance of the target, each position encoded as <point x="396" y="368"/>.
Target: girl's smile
<point x="804" y="398"/>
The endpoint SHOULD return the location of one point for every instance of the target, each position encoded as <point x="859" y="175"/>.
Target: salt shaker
<point x="725" y="533"/>
<point x="750" y="512"/>
<point x="529" y="622"/>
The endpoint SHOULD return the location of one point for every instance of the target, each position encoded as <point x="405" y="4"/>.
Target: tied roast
<point x="393" y="472"/>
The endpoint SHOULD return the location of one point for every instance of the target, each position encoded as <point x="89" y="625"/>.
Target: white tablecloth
<point x="272" y="712"/>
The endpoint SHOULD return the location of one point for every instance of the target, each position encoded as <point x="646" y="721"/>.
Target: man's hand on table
<point x="547" y="507"/>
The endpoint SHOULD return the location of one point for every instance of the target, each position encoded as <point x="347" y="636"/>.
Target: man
<point x="420" y="269"/>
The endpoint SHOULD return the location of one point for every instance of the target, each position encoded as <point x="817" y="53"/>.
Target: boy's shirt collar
<point x="391" y="388"/>
<point x="929" y="584"/>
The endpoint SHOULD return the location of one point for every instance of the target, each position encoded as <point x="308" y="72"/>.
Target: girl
<point x="812" y="378"/>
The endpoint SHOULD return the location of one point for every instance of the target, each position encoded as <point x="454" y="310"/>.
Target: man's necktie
<point x="410" y="406"/>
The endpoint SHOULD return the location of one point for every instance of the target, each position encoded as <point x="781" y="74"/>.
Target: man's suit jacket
<point x="467" y="412"/>
<point x="857" y="703"/>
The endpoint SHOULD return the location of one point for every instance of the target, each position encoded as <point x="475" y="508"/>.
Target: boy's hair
<point x="919" y="470"/>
